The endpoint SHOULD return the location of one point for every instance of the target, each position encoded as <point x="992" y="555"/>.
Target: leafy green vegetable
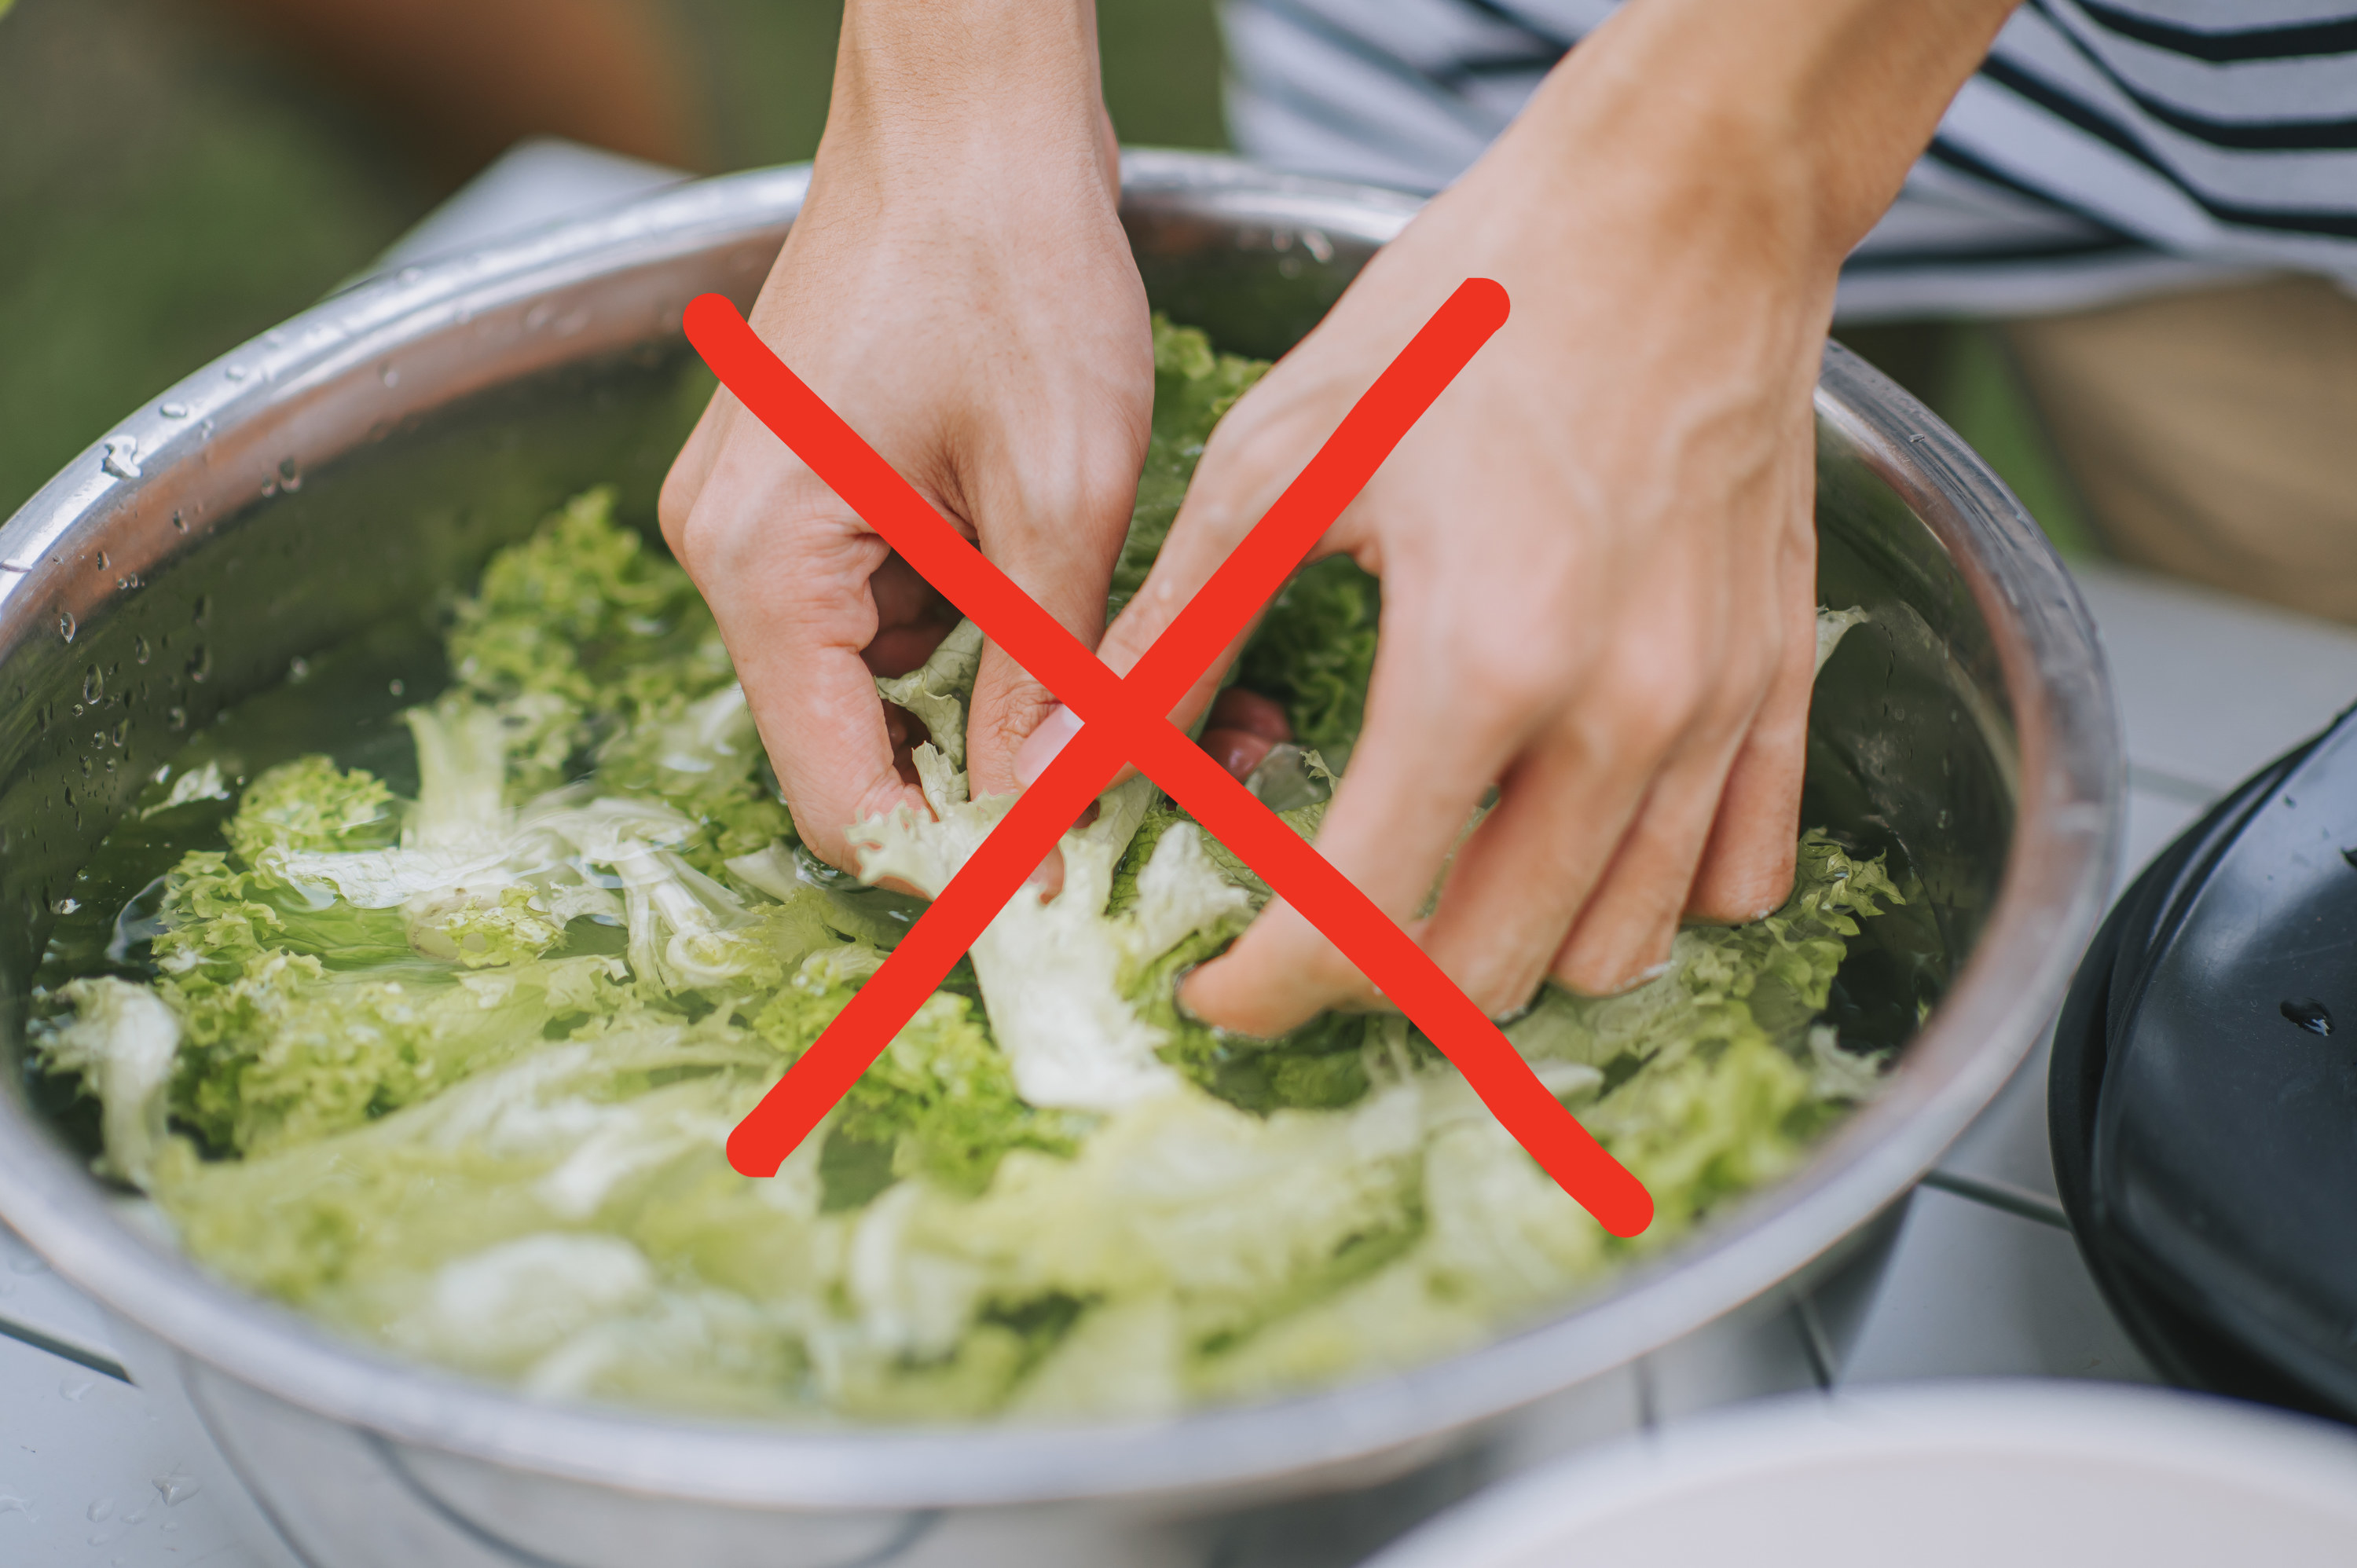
<point x="1315" y="653"/>
<point x="456" y="1074"/>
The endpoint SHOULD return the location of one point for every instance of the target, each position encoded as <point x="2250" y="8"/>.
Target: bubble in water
<point x="66" y="624"/>
<point x="2309" y="1014"/>
<point x="176" y="1488"/>
<point x="93" y="685"/>
<point x="290" y="477"/>
<point x="173" y="409"/>
<point x="122" y="459"/>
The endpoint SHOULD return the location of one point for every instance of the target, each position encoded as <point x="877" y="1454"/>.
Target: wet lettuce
<point x="454" y="1072"/>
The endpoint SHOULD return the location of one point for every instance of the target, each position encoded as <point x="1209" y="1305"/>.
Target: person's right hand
<point x="1597" y="547"/>
<point x="959" y="289"/>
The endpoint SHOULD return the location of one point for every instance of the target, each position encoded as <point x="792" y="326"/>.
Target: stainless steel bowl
<point x="374" y="449"/>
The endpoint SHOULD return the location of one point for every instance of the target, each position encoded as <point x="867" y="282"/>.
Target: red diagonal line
<point x="1127" y="714"/>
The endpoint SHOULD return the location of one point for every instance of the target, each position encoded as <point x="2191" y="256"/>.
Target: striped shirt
<point x="2105" y="148"/>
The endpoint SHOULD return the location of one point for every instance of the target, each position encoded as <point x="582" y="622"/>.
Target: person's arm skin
<point x="959" y="289"/>
<point x="1597" y="551"/>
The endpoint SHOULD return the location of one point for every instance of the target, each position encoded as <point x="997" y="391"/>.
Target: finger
<point x="1746" y="866"/>
<point x="1237" y="750"/>
<point x="794" y="606"/>
<point x="1622" y="937"/>
<point x="1517" y="883"/>
<point x="1238" y="709"/>
<point x="1068" y="570"/>
<point x="1435" y="739"/>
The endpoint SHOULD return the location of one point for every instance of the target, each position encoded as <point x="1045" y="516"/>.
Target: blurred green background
<point x="175" y="177"/>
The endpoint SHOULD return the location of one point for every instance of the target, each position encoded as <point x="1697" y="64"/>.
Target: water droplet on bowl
<point x="297" y="667"/>
<point x="389" y="376"/>
<point x="93" y="684"/>
<point x="66" y="624"/>
<point x="290" y="477"/>
<point x="173" y="409"/>
<point x="235" y="372"/>
<point x="2309" y="1014"/>
<point x="180" y="523"/>
<point x="175" y="718"/>
<point x="201" y="664"/>
<point x="177" y="1488"/>
<point x="99" y="1509"/>
<point x="409" y="274"/>
<point x="65" y="905"/>
<point x="396" y="686"/>
<point x="122" y="459"/>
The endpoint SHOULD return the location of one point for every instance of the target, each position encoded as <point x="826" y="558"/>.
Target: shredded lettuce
<point x="456" y="1073"/>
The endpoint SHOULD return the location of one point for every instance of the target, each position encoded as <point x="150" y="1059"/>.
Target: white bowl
<point x="1995" y="1474"/>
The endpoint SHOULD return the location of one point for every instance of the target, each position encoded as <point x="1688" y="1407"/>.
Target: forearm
<point x="1801" y="115"/>
<point x="938" y="80"/>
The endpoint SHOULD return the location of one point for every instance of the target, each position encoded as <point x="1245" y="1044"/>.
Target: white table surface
<point x="1984" y="1281"/>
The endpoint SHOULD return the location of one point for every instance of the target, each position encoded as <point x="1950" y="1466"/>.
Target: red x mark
<point x="1123" y="718"/>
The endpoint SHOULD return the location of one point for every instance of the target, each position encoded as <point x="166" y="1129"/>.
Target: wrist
<point x="955" y="82"/>
<point x="1787" y="125"/>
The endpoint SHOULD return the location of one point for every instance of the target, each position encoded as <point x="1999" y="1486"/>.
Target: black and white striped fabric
<point x="2105" y="148"/>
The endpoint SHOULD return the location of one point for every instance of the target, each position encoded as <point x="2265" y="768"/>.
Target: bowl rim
<point x="2051" y="889"/>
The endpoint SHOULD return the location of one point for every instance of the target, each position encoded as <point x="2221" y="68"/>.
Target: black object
<point x="2202" y="1101"/>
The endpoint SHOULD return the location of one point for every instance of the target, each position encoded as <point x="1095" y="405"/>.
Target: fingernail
<point x="1055" y="732"/>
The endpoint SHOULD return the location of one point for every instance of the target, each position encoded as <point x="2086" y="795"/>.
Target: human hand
<point x="1597" y="547"/>
<point x="959" y="289"/>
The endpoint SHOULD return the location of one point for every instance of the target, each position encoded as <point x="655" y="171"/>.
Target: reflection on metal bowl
<point x="374" y="449"/>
